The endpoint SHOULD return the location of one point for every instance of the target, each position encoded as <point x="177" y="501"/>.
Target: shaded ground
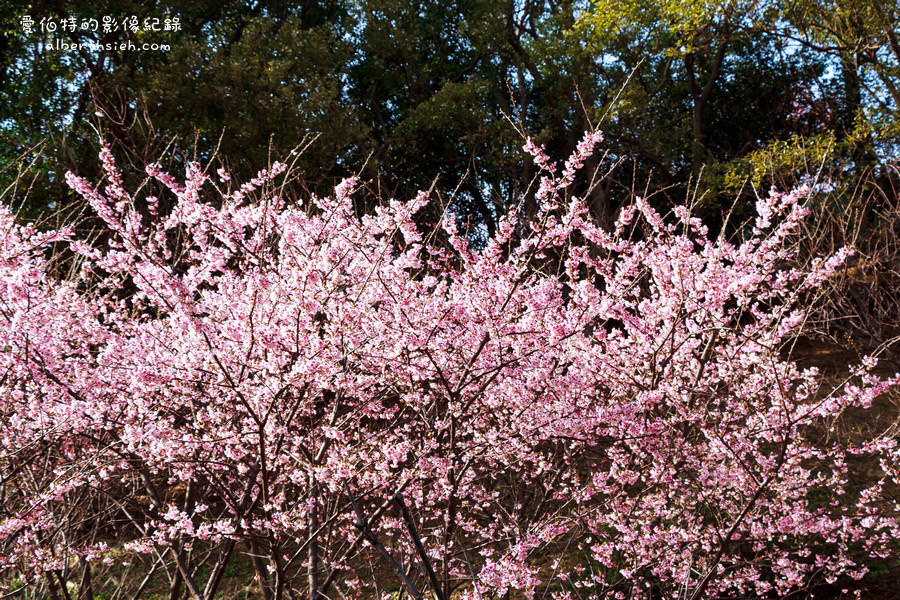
<point x="883" y="582"/>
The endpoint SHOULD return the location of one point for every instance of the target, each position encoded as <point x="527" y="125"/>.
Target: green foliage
<point x="681" y="23"/>
<point x="779" y="161"/>
<point x="414" y="89"/>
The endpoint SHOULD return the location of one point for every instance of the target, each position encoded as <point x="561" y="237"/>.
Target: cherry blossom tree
<point x="347" y="402"/>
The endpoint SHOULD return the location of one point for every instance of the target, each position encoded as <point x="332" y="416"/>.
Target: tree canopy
<point x="399" y="91"/>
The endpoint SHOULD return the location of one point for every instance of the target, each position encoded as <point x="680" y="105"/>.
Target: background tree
<point x="712" y="98"/>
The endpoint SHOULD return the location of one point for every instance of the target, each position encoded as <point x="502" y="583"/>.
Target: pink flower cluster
<point x="571" y="408"/>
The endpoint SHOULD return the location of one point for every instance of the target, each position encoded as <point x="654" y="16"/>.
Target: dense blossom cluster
<point x="597" y="413"/>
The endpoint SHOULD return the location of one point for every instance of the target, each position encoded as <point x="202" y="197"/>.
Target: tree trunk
<point x="313" y="563"/>
<point x="85" y="588"/>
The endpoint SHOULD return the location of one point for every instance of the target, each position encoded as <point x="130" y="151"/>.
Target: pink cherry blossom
<point x="570" y="409"/>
